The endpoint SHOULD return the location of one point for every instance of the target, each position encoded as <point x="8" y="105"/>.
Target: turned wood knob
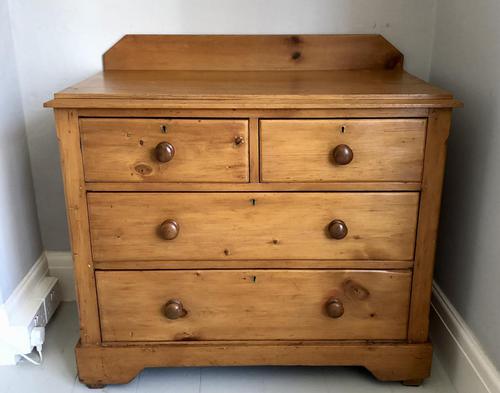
<point x="164" y="151"/>
<point x="334" y="308"/>
<point x="337" y="229"/>
<point x="174" y="309"/>
<point x="169" y="229"/>
<point x="342" y="154"/>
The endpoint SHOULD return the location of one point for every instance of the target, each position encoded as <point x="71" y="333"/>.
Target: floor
<point x="57" y="374"/>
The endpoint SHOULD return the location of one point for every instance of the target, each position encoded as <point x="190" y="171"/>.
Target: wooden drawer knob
<point x="169" y="229"/>
<point x="334" y="308"/>
<point x="164" y="151"/>
<point x="174" y="309"/>
<point x="342" y="154"/>
<point x="337" y="229"/>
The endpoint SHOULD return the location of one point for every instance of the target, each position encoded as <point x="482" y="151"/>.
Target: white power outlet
<point x="36" y="311"/>
<point x="52" y="301"/>
<point x="40" y="318"/>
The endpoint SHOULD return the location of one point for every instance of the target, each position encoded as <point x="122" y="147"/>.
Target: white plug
<point x="37" y="338"/>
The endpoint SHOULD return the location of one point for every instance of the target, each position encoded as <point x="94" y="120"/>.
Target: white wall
<point x="20" y="244"/>
<point x="466" y="60"/>
<point x="59" y="42"/>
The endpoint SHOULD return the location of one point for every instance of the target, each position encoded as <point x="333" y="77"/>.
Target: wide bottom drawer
<point x="253" y="305"/>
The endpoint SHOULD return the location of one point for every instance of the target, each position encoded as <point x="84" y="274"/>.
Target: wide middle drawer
<point x="238" y="226"/>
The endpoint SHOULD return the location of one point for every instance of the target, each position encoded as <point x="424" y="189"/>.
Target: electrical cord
<point x="26" y="357"/>
<point x="37" y="347"/>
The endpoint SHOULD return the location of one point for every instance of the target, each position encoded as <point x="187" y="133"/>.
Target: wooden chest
<point x="253" y="200"/>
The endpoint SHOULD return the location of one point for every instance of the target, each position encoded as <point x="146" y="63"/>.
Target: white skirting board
<point x="31" y="305"/>
<point x="468" y="367"/>
<point x="16" y="300"/>
<point x="61" y="266"/>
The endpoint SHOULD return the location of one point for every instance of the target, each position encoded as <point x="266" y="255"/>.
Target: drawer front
<point x="253" y="305"/>
<point x="215" y="226"/>
<point x="165" y="150"/>
<point x="342" y="150"/>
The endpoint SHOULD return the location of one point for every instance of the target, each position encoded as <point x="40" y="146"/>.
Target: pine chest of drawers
<point x="253" y="200"/>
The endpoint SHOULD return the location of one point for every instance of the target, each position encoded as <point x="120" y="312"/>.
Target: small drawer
<point x="165" y="150"/>
<point x="342" y="150"/>
<point x="253" y="305"/>
<point x="259" y="226"/>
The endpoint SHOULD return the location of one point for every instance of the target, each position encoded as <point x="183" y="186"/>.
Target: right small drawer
<point x="333" y="150"/>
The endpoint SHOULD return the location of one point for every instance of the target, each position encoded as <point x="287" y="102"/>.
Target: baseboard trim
<point x="14" y="302"/>
<point x="18" y="311"/>
<point x="463" y="358"/>
<point x="61" y="266"/>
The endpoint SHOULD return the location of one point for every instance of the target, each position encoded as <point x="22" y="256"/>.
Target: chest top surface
<point x="253" y="71"/>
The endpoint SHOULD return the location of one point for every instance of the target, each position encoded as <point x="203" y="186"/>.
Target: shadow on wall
<point x="466" y="59"/>
<point x="471" y="157"/>
<point x="20" y="244"/>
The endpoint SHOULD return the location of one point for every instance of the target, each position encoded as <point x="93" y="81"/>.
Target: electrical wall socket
<point x="35" y="310"/>
<point x="21" y="335"/>
<point x="40" y="318"/>
<point x="52" y="301"/>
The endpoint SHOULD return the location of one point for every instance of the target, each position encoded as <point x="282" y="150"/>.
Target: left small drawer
<point x="165" y="150"/>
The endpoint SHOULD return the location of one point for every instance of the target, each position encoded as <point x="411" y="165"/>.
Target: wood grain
<point x="232" y="187"/>
<point x="301" y="150"/>
<point x="258" y="113"/>
<point x="254" y="305"/>
<point x="252" y="226"/>
<point x="255" y="264"/>
<point x="205" y="150"/>
<point x="121" y="363"/>
<point x="76" y="207"/>
<point x="324" y="102"/>
<point x="254" y="150"/>
<point x="430" y="204"/>
<point x="252" y="52"/>
<point x="256" y="86"/>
